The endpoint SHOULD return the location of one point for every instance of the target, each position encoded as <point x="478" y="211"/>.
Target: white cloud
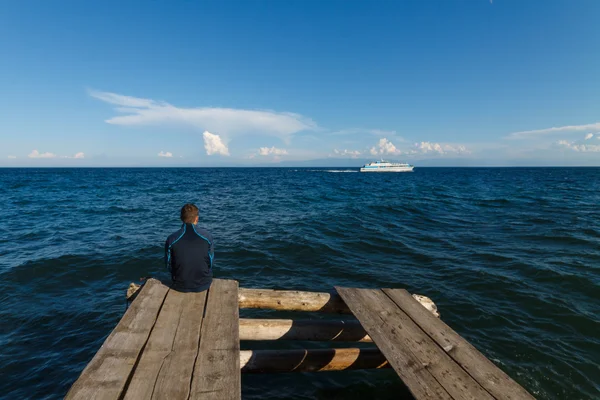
<point x="12" y="157"/>
<point x="126" y="101"/>
<point x="584" y="148"/>
<point x="165" y="154"/>
<point x="580" y="146"/>
<point x="37" y="154"/>
<point x="351" y="153"/>
<point x="214" y="145"/>
<point x="384" y="146"/>
<point x="226" y="121"/>
<point x="77" y="155"/>
<point x="569" y="128"/>
<point x="439" y="148"/>
<point x="427" y="147"/>
<point x="266" y="151"/>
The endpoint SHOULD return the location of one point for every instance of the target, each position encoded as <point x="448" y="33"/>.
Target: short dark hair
<point x="189" y="212"/>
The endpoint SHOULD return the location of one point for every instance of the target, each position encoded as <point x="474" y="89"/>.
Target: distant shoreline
<point x="292" y="167"/>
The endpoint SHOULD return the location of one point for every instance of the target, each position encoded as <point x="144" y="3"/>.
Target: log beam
<point x="307" y="329"/>
<point x="292" y="300"/>
<point x="312" y="360"/>
<point x="295" y="300"/>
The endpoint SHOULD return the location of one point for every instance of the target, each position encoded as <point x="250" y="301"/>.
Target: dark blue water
<point x="511" y="256"/>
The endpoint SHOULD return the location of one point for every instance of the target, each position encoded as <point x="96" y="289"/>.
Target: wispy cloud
<point x="386" y="147"/>
<point x="214" y="145"/>
<point x="381" y="132"/>
<point x="165" y="154"/>
<point x="272" y="151"/>
<point x="357" y="131"/>
<point x="439" y="148"/>
<point x="12" y="157"/>
<point x="582" y="146"/>
<point x="568" y="128"/>
<point x="345" y="153"/>
<point x="77" y="155"/>
<point x="224" y="121"/>
<point x="37" y="154"/>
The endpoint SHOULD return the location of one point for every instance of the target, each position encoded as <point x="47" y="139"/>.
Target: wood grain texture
<point x="382" y="330"/>
<point x="174" y="379"/>
<point x="410" y="350"/>
<point x="105" y="377"/>
<point x="292" y="300"/>
<point x="348" y="330"/>
<point x="217" y="368"/>
<point x="166" y="365"/>
<point x="311" y="360"/>
<point x="492" y="378"/>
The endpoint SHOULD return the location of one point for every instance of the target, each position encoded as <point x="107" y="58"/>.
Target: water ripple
<point x="510" y="256"/>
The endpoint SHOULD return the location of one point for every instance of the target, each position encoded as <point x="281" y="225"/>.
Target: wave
<point x="327" y="170"/>
<point x="510" y="259"/>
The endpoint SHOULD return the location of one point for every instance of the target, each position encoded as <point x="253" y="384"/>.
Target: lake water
<point x="511" y="256"/>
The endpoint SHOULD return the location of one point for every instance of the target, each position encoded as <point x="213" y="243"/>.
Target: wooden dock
<point x="187" y="345"/>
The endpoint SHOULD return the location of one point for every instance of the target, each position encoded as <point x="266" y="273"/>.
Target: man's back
<point x="189" y="256"/>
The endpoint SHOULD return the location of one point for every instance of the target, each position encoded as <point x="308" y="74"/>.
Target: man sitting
<point x="189" y="254"/>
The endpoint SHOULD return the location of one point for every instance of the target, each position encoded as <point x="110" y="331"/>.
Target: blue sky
<point x="157" y="83"/>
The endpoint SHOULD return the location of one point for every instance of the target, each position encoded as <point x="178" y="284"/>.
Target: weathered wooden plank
<point x="292" y="300"/>
<point x="378" y="319"/>
<point x="492" y="378"/>
<point x="157" y="348"/>
<point x="310" y="360"/>
<point x="217" y="369"/>
<point x="166" y="365"/>
<point x="399" y="337"/>
<point x="175" y="377"/>
<point x="349" y="330"/>
<point x="106" y="375"/>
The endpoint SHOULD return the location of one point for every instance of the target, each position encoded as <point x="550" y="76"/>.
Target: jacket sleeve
<point x="168" y="255"/>
<point x="211" y="251"/>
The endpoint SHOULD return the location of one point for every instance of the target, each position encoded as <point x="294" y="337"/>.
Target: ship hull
<point x="387" y="169"/>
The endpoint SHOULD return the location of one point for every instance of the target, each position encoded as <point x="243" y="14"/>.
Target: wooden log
<point x="300" y="360"/>
<point x="308" y="329"/>
<point x="132" y="290"/>
<point x="292" y="300"/>
<point x="427" y="303"/>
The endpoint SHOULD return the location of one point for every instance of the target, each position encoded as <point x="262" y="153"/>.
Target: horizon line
<point x="289" y="167"/>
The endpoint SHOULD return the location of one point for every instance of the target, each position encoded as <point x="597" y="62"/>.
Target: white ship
<point x="385" y="166"/>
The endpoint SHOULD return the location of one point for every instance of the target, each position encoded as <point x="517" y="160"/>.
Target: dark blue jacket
<point x="189" y="254"/>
